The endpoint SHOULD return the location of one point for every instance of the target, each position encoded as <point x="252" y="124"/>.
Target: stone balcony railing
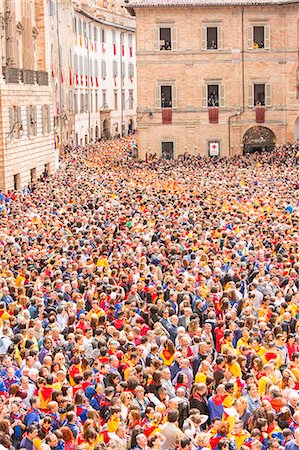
<point x="13" y="75"/>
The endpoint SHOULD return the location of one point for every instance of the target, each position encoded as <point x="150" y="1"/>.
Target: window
<point x="166" y="96"/>
<point x="165" y="39"/>
<point x="103" y="70"/>
<point x="12" y="122"/>
<point x="258" y="37"/>
<point x="259" y="95"/>
<point x="131" y="99"/>
<point x="131" y="71"/>
<point x="167" y="150"/>
<point x="47" y="169"/>
<point x="31" y="120"/>
<point x="213" y="95"/>
<point x="123" y="99"/>
<point x="211" y="38"/>
<point x="104" y="99"/>
<point x="115" y="100"/>
<point x="212" y="41"/>
<point x="17" y="182"/>
<point x="103" y="37"/>
<point x="33" y="175"/>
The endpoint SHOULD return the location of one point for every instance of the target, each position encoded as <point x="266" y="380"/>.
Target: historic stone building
<point x="104" y="71"/>
<point x="26" y="125"/>
<point x="216" y="76"/>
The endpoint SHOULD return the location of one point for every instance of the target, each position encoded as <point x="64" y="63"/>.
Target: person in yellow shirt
<point x="268" y="377"/>
<point x="114" y="419"/>
<point x="233" y="366"/>
<point x="239" y="433"/>
<point x="202" y="373"/>
<point x="244" y="339"/>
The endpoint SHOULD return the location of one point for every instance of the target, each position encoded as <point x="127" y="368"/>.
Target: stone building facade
<point x="26" y="113"/>
<point x="216" y="77"/>
<point x="104" y="71"/>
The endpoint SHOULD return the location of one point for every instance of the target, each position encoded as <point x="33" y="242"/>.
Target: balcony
<point x="260" y="114"/>
<point x="13" y="75"/>
<point x="166" y="116"/>
<point x="213" y="114"/>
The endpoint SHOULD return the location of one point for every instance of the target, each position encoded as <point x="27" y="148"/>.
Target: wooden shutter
<point x="11" y="123"/>
<point x="221" y="95"/>
<point x="204" y="100"/>
<point x="28" y="121"/>
<point x="250" y="37"/>
<point x="20" y="120"/>
<point x="174" y="39"/>
<point x="158" y="97"/>
<point x="204" y="38"/>
<point x="219" y="36"/>
<point x="268" y="96"/>
<point x="174" y="96"/>
<point x="267" y="36"/>
<point x="251" y="95"/>
<point x="156" y="39"/>
<point x="49" y="118"/>
<point x="35" y="120"/>
<point x="43" y="119"/>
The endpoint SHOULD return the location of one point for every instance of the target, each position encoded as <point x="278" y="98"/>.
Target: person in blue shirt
<point x="27" y="441"/>
<point x="33" y="414"/>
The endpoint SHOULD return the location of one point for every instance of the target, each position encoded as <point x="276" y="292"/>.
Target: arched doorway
<point x="296" y="129"/>
<point x="130" y="126"/>
<point x="97" y="133"/>
<point x="258" y="139"/>
<point x="105" y="129"/>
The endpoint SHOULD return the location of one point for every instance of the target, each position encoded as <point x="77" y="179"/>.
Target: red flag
<point x="77" y="79"/>
<point x="131" y="52"/>
<point x="114" y="49"/>
<point x="81" y="76"/>
<point x="103" y="47"/>
<point x="123" y="50"/>
<point x="115" y="80"/>
<point x="61" y="76"/>
<point x="91" y="80"/>
<point x="86" y="80"/>
<point x="71" y="77"/>
<point x="53" y="75"/>
<point x="97" y="82"/>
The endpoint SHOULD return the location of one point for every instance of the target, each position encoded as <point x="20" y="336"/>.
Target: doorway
<point x="167" y="150"/>
<point x="297" y="129"/>
<point x="258" y="139"/>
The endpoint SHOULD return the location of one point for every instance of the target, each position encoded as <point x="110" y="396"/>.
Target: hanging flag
<point x="81" y="80"/>
<point x="86" y="80"/>
<point x="52" y="73"/>
<point x="131" y="52"/>
<point x="71" y="77"/>
<point x="97" y="82"/>
<point x="91" y="80"/>
<point x="123" y="50"/>
<point x="80" y="40"/>
<point x="114" y="49"/>
<point x="61" y="76"/>
<point x="115" y="80"/>
<point x="75" y="39"/>
<point x="103" y="47"/>
<point x="77" y="79"/>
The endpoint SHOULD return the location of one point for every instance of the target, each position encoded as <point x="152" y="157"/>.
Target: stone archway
<point x="258" y="139"/>
<point x="296" y="131"/>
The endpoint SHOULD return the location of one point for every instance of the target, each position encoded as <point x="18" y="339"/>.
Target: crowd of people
<point x="151" y="304"/>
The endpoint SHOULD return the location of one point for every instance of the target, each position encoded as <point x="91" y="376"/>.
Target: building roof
<point x="130" y="5"/>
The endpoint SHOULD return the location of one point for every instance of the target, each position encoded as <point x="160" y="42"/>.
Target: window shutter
<point x="267" y="37"/>
<point x="204" y="100"/>
<point x="11" y="123"/>
<point x="268" y="99"/>
<point x="35" y="120"/>
<point x="43" y="119"/>
<point x="250" y="95"/>
<point x="158" y="97"/>
<point x="157" y="39"/>
<point x="221" y="95"/>
<point x="204" y="38"/>
<point x="250" y="37"/>
<point x="28" y="121"/>
<point x="174" y="39"/>
<point x="20" y="120"/>
<point x="219" y="35"/>
<point x="174" y="96"/>
<point x="49" y="118"/>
